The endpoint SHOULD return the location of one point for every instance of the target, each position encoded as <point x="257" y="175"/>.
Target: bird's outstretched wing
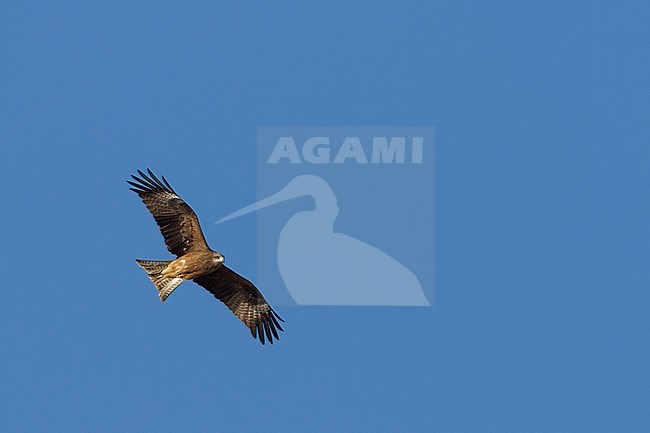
<point x="178" y="223"/>
<point x="244" y="300"/>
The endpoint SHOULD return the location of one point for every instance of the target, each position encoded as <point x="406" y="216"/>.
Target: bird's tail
<point x="154" y="270"/>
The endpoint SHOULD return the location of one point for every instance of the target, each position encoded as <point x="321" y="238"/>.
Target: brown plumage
<point x="195" y="261"/>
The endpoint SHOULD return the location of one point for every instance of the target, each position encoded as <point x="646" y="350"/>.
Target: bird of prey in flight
<point x="195" y="261"/>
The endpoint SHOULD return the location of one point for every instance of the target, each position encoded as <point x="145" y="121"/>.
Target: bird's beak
<point x="286" y="193"/>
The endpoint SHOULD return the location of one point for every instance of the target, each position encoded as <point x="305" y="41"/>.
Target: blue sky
<point x="540" y="322"/>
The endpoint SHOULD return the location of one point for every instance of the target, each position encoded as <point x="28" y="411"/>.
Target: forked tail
<point x="154" y="270"/>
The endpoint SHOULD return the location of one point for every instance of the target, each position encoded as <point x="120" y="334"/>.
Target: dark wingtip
<point x="167" y="184"/>
<point x="137" y="188"/>
<point x="150" y="182"/>
<point x="275" y="331"/>
<point x="260" y="332"/>
<point x="276" y="323"/>
<point x="267" y="328"/>
<point x="277" y="315"/>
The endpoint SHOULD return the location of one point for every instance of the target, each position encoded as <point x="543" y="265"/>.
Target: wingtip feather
<point x="150" y="182"/>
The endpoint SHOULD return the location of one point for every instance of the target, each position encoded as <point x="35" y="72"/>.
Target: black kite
<point x="180" y="227"/>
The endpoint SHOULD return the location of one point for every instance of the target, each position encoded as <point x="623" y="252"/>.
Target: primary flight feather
<point x="195" y="261"/>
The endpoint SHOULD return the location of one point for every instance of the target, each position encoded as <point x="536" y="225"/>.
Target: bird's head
<point x="218" y="258"/>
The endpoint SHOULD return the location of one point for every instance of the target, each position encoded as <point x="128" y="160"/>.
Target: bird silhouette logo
<point x="322" y="267"/>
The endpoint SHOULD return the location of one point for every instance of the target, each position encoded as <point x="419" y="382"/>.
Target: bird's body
<point x="193" y="265"/>
<point x="196" y="261"/>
